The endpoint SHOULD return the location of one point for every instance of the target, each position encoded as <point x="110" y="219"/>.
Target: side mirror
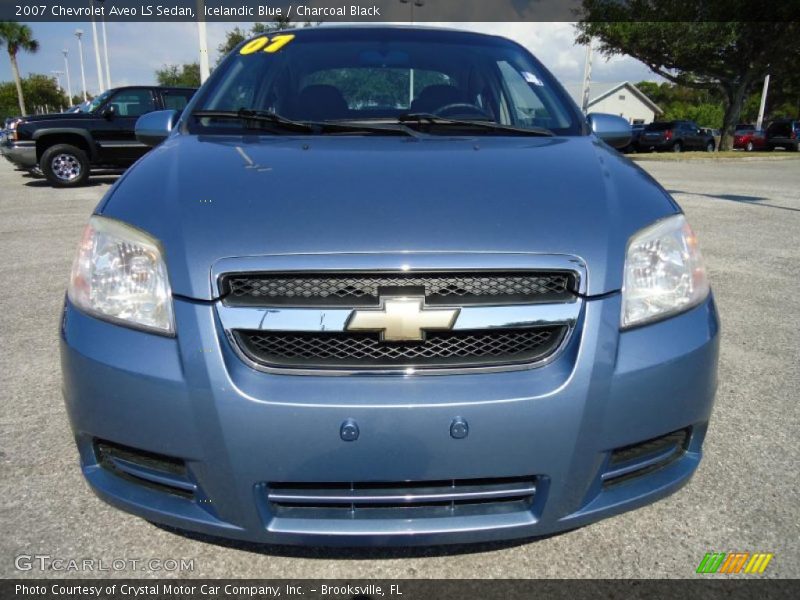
<point x="153" y="128"/>
<point x="613" y="130"/>
<point x="109" y="111"/>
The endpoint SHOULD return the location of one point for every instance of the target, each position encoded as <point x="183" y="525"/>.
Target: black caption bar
<point x="398" y="10"/>
<point x="400" y="589"/>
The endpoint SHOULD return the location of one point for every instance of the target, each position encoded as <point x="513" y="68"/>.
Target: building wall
<point x="630" y="108"/>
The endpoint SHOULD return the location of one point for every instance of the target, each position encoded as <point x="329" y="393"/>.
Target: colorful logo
<point x="734" y="562"/>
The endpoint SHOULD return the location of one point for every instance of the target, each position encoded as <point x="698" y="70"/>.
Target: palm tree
<point x="16" y="37"/>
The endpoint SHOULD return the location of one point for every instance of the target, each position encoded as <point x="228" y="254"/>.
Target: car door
<point x="117" y="142"/>
<point x="693" y="138"/>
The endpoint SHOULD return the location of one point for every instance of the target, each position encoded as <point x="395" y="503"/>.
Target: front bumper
<point x="22" y="153"/>
<point x="237" y="429"/>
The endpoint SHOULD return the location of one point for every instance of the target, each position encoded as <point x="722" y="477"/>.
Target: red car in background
<point x="749" y="139"/>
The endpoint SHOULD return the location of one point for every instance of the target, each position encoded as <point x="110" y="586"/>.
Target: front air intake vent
<point x="156" y="471"/>
<point x="640" y="459"/>
<point x="401" y="500"/>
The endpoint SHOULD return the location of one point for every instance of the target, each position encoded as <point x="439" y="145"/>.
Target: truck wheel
<point x="749" y="147"/>
<point x="65" y="166"/>
<point x="676" y="147"/>
<point x="710" y="147"/>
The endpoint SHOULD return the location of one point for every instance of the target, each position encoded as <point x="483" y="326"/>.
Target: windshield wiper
<point x="357" y="126"/>
<point x="318" y="127"/>
<point x="257" y="117"/>
<point x="431" y="119"/>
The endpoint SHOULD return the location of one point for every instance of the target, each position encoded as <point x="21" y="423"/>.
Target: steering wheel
<point x="460" y="109"/>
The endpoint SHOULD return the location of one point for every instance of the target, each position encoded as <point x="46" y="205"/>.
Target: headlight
<point x="119" y="275"/>
<point x="664" y="272"/>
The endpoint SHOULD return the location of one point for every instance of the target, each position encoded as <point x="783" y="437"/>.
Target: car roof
<point x="152" y="87"/>
<point x="337" y="30"/>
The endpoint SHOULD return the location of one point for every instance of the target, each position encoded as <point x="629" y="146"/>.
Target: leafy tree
<point x="40" y="90"/>
<point x="699" y="105"/>
<point x="693" y="44"/>
<point x="186" y="75"/>
<point x="16" y="37"/>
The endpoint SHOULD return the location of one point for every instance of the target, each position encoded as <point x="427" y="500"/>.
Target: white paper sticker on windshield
<point x="531" y="78"/>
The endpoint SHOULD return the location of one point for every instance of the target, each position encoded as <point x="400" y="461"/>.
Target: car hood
<point x="54" y="117"/>
<point x="210" y="198"/>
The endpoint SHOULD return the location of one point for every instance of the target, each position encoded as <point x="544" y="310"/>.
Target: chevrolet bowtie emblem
<point x="402" y="319"/>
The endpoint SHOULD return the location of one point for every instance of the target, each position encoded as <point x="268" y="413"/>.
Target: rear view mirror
<point x="153" y="128"/>
<point x="613" y="130"/>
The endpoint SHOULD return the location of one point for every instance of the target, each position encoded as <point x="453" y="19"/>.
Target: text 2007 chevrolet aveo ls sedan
<point x="386" y="286"/>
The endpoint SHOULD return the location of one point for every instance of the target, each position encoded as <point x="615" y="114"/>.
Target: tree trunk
<point x="734" y="100"/>
<point x="15" y="72"/>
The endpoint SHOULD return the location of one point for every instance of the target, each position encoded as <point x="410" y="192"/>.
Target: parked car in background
<point x="714" y="133"/>
<point x="675" y="136"/>
<point x="6" y="134"/>
<point x="636" y="132"/>
<point x="749" y="139"/>
<point x="453" y="318"/>
<point x="784" y="133"/>
<point x="66" y="146"/>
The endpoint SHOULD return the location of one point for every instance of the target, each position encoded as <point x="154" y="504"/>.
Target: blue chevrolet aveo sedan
<point x="386" y="285"/>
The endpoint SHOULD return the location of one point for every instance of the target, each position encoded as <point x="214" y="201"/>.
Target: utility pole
<point x="105" y="45"/>
<point x="587" y="78"/>
<point x="57" y="75"/>
<point x="79" y="35"/>
<point x="411" y="5"/>
<point x="100" y="84"/>
<point x="202" y="34"/>
<point x="761" y="108"/>
<point x="69" y="82"/>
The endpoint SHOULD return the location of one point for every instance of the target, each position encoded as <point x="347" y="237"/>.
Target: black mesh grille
<point x="357" y="289"/>
<point x="365" y="350"/>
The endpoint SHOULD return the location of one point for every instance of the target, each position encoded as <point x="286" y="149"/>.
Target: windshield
<point x="384" y="74"/>
<point x="97" y="102"/>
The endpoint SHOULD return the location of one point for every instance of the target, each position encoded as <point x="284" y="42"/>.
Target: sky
<point x="136" y="50"/>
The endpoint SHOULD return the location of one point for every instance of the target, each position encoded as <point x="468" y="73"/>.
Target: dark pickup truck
<point x="66" y="146"/>
<point x="675" y="136"/>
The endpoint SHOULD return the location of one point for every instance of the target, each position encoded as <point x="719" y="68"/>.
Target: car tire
<point x="710" y="147"/>
<point x="797" y="147"/>
<point x="64" y="165"/>
<point x="749" y="147"/>
<point x="677" y="147"/>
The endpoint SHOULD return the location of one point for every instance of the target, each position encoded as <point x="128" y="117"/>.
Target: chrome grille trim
<point x="236" y="319"/>
<point x="255" y="318"/>
<point x="564" y="312"/>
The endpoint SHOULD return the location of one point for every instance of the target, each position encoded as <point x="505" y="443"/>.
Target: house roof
<point x="599" y="90"/>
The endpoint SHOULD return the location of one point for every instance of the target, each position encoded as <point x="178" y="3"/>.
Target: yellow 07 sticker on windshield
<point x="267" y="44"/>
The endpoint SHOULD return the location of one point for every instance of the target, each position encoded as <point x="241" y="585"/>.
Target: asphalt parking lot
<point x="743" y="498"/>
